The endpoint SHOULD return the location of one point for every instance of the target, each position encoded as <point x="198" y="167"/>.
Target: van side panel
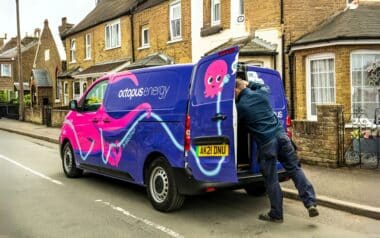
<point x="144" y="112"/>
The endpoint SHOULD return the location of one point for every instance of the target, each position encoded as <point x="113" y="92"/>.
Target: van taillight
<point x="288" y="125"/>
<point x="187" y="134"/>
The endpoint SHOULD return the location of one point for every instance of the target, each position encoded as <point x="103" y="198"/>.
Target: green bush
<point x="27" y="100"/>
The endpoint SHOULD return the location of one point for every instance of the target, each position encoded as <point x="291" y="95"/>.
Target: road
<point x="37" y="200"/>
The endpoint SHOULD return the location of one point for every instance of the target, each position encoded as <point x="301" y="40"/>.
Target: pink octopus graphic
<point x="214" y="77"/>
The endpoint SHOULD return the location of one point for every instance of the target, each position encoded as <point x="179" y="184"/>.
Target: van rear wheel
<point x="256" y="190"/>
<point x="161" y="187"/>
<point x="68" y="162"/>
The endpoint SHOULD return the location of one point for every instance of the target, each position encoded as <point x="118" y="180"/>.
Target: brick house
<point x="122" y="34"/>
<point x="38" y="52"/>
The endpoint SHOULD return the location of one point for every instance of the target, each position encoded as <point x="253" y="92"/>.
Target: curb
<point x="354" y="208"/>
<point x="45" y="138"/>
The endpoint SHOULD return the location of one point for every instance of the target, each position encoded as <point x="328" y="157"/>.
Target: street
<point x="37" y="200"/>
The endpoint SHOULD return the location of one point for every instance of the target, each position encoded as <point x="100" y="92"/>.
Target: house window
<point x="72" y="51"/>
<point x="47" y="55"/>
<point x="215" y="12"/>
<point x="76" y="90"/>
<point x="88" y="46"/>
<point x="175" y="20"/>
<point x="365" y="84"/>
<point x="113" y="36"/>
<point x="145" y="37"/>
<point x="320" y="82"/>
<point x="5" y="70"/>
<point x="241" y="8"/>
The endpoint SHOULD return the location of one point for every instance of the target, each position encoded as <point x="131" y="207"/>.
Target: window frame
<point x="309" y="59"/>
<point x="109" y="43"/>
<point x="365" y="121"/>
<point x="95" y="106"/>
<point x="143" y="44"/>
<point x="87" y="46"/>
<point x="73" y="51"/>
<point x="172" y="6"/>
<point x="2" y="70"/>
<point x="213" y="4"/>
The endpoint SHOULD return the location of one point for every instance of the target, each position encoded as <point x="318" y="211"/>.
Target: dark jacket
<point x="256" y="113"/>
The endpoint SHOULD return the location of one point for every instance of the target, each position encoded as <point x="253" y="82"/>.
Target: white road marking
<point x="31" y="170"/>
<point x="145" y="221"/>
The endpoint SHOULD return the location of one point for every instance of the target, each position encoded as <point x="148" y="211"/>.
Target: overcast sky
<point x="34" y="12"/>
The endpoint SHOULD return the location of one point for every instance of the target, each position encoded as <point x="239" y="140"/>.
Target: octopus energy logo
<point x="156" y="91"/>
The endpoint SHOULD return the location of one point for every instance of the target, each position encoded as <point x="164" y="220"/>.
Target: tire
<point x="162" y="188"/>
<point x="256" y="190"/>
<point x="68" y="162"/>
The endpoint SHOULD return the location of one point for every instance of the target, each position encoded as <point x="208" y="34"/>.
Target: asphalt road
<point x="37" y="200"/>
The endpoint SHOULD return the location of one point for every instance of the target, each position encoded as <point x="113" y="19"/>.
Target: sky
<point x="34" y="12"/>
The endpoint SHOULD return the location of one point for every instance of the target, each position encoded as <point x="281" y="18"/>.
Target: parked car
<point x="171" y="128"/>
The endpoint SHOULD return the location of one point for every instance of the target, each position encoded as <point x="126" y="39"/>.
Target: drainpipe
<point x="291" y="83"/>
<point x="282" y="43"/>
<point x="132" y="36"/>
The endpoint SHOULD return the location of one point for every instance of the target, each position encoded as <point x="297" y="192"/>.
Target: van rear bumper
<point x="188" y="185"/>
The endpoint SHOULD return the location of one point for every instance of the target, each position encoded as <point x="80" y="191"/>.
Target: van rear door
<point x="212" y="156"/>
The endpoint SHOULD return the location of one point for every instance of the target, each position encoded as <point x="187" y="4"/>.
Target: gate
<point x="360" y="140"/>
<point x="46" y="116"/>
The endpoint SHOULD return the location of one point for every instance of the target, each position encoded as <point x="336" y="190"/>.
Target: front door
<point x="212" y="121"/>
<point x="86" y="122"/>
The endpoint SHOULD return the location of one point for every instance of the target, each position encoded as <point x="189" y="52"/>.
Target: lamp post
<point x="20" y="80"/>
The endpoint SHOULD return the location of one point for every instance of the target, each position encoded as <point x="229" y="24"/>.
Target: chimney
<point x="2" y="39"/>
<point x="37" y="32"/>
<point x="64" y="26"/>
<point x="46" y="23"/>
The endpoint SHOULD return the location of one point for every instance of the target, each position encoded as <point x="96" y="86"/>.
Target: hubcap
<point x="67" y="159"/>
<point x="159" y="184"/>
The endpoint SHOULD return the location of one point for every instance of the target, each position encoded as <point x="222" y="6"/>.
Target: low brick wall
<point x="57" y="117"/>
<point x="318" y="141"/>
<point x="33" y="115"/>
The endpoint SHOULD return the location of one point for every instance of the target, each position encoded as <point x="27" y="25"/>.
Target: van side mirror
<point x="73" y="105"/>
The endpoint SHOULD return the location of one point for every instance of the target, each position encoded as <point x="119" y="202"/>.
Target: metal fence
<point x="360" y="140"/>
<point x="9" y="110"/>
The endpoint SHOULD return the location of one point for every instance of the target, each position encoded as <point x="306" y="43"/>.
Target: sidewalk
<point x="352" y="190"/>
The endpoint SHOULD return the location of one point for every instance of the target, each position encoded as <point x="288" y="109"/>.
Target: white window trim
<point x="363" y="52"/>
<point x="110" y="24"/>
<point x="47" y="54"/>
<point x="144" y="46"/>
<point x="310" y="58"/>
<point x="172" y="5"/>
<point x="73" y="51"/>
<point x="87" y="43"/>
<point x="215" y="23"/>
<point x="2" y="74"/>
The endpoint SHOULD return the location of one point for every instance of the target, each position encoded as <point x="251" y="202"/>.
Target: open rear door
<point x="212" y="156"/>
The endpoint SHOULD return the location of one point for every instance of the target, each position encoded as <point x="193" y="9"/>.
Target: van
<point x="171" y="128"/>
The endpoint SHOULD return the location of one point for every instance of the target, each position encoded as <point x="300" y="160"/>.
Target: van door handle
<point x="95" y="120"/>
<point x="106" y="120"/>
<point x="219" y="117"/>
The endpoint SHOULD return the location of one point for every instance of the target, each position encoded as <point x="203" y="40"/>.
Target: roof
<point x="249" y="46"/>
<point x="25" y="86"/>
<point x="101" y="69"/>
<point x="70" y="73"/>
<point x="155" y="59"/>
<point x="13" y="52"/>
<point x="41" y="78"/>
<point x="107" y="10"/>
<point x="350" y="24"/>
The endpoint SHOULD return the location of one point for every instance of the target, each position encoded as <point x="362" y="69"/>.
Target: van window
<point x="94" y="97"/>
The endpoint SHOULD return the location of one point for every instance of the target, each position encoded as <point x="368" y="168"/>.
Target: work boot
<point x="267" y="217"/>
<point x="313" y="211"/>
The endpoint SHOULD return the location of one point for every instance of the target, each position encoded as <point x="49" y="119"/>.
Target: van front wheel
<point x="68" y="162"/>
<point x="161" y="187"/>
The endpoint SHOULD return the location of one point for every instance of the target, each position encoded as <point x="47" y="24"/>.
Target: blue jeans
<point x="280" y="148"/>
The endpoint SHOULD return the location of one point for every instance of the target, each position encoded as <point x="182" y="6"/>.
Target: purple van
<point x="172" y="129"/>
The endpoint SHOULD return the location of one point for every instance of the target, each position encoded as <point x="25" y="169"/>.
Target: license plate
<point x="212" y="150"/>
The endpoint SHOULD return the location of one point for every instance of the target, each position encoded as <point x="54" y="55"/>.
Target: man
<point x="256" y="114"/>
